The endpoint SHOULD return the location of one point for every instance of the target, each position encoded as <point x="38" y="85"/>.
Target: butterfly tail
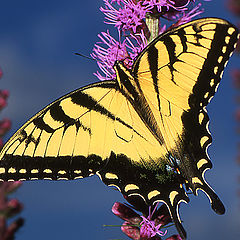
<point x="173" y="210"/>
<point x="216" y="203"/>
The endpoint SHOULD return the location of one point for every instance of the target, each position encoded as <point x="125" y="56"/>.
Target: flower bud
<point x="4" y="93"/>
<point x="126" y="213"/>
<point x="14" y="207"/>
<point x="5" y="125"/>
<point x="131" y="231"/>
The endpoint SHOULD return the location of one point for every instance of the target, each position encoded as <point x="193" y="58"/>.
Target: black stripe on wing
<point x="41" y="125"/>
<point x="212" y="70"/>
<point x="83" y="100"/>
<point x="153" y="66"/>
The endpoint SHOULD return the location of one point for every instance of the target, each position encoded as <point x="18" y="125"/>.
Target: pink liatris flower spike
<point x="114" y="50"/>
<point x="128" y="16"/>
<point x="184" y="17"/>
<point x="166" y="5"/>
<point x="8" y="208"/>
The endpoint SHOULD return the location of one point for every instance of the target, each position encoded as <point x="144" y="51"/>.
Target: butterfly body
<point x="145" y="133"/>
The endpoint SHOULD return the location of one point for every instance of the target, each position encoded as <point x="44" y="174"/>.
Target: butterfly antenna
<point x="82" y="55"/>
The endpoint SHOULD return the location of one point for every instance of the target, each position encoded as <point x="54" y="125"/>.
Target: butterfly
<point x="146" y="133"/>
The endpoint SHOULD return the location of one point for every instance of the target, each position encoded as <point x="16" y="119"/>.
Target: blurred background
<point x="37" y="42"/>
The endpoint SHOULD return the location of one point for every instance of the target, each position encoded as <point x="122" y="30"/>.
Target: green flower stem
<point x="152" y="23"/>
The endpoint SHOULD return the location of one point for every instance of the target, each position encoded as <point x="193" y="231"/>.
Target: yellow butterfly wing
<point x="74" y="136"/>
<point x="173" y="80"/>
<point x="178" y="74"/>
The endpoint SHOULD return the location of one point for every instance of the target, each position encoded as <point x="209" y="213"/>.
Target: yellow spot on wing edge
<point x="203" y="140"/>
<point x="212" y="82"/>
<point x="227" y="39"/>
<point x="197" y="180"/>
<point x="200" y="117"/>
<point x="131" y="187"/>
<point x="47" y="171"/>
<point x="220" y="59"/>
<point x="34" y="171"/>
<point x="111" y="176"/>
<point x="2" y="170"/>
<point x="172" y="196"/>
<point x="206" y="95"/>
<point x="22" y="170"/>
<point x="224" y="49"/>
<point x="61" y="172"/>
<point x="152" y="194"/>
<point x="201" y="162"/>
<point x="11" y="170"/>
<point x="231" y="30"/>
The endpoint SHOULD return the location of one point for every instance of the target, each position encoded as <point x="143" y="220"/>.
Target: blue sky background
<point x="37" y="41"/>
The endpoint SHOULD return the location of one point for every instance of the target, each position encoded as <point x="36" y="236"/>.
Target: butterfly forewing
<point x="74" y="137"/>
<point x="58" y="142"/>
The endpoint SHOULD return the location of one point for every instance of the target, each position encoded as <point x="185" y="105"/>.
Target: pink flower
<point x="184" y="17"/>
<point x="143" y="227"/>
<point x="127" y="16"/>
<point x="8" y="208"/>
<point x="149" y="228"/>
<point x="115" y="50"/>
<point x="159" y="4"/>
<point x="3" y="98"/>
<point x="236" y="77"/>
<point x="5" y="126"/>
<point x="166" y="5"/>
